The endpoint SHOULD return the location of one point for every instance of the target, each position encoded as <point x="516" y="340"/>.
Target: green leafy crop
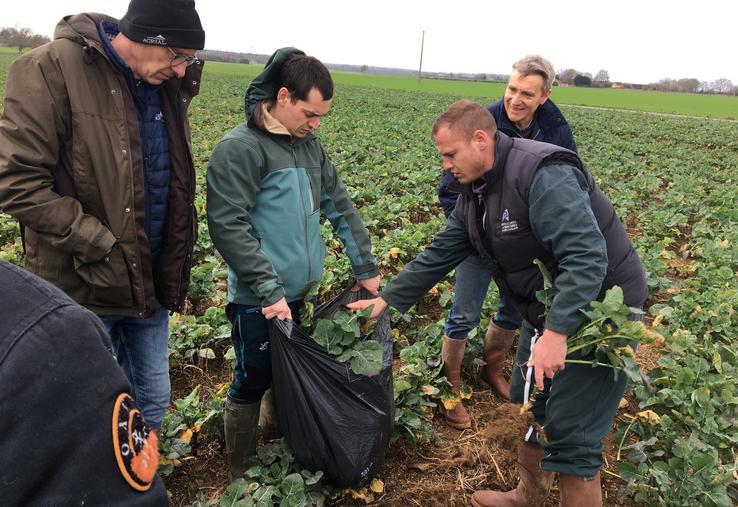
<point x="344" y="336"/>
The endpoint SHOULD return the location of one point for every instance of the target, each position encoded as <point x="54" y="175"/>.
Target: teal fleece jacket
<point x="264" y="199"/>
<point x="562" y="220"/>
<point x="265" y="195"/>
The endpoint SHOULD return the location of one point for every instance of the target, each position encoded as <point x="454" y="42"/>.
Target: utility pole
<point x="420" y="67"/>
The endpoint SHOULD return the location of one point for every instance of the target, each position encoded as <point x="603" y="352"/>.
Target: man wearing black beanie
<point x="96" y="164"/>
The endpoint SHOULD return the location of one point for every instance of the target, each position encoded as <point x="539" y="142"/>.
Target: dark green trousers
<point x="576" y="410"/>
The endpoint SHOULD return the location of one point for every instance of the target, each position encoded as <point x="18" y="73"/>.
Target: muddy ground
<point x="443" y="473"/>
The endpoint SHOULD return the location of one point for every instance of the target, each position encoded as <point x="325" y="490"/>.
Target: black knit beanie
<point x="173" y="23"/>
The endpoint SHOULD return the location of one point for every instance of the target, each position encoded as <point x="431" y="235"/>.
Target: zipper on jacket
<point x="480" y="200"/>
<point x="305" y="219"/>
<point x="481" y="226"/>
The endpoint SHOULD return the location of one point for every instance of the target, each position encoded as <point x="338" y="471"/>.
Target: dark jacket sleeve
<point x="561" y="218"/>
<point x="449" y="248"/>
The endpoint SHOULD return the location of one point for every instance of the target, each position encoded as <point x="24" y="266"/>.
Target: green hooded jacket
<point x="265" y="195"/>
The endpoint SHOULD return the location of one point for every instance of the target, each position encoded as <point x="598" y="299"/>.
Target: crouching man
<point x="522" y="200"/>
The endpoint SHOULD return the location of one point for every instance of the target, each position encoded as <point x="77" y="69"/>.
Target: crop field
<point x="673" y="181"/>
<point x="691" y="104"/>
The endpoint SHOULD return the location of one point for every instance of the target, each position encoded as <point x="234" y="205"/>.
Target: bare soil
<point x="445" y="472"/>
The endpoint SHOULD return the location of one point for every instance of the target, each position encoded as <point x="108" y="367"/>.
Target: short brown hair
<point x="464" y="117"/>
<point x="536" y="64"/>
<point x="301" y="73"/>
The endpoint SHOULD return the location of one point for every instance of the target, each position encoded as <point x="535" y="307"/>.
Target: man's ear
<point x="283" y="96"/>
<point x="481" y="139"/>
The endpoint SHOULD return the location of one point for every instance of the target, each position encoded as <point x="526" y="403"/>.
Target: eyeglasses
<point x="178" y="59"/>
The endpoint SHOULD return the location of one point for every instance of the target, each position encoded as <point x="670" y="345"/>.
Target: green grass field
<point x="711" y="106"/>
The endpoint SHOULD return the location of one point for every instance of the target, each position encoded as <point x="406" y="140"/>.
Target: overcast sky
<point x="639" y="41"/>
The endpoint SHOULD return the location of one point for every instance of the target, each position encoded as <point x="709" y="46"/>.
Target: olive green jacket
<point x="71" y="171"/>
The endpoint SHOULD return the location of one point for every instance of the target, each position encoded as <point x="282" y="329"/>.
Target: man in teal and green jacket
<point x="268" y="181"/>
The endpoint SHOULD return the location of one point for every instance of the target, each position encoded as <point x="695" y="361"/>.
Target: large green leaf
<point x="325" y="335"/>
<point x="366" y="358"/>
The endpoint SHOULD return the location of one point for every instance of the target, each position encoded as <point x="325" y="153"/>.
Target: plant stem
<point x="610" y="337"/>
<point x="594" y="363"/>
<point x="622" y="440"/>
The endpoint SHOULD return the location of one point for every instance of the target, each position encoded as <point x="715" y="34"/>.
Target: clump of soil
<point x="507" y="426"/>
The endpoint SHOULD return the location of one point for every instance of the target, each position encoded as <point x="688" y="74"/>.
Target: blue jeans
<point x="252" y="375"/>
<point x="140" y="345"/>
<point x="472" y="281"/>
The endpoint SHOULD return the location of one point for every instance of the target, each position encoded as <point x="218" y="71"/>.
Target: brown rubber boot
<point x="580" y="491"/>
<point x="497" y="343"/>
<point x="452" y="354"/>
<point x="268" y="419"/>
<point x="240" y="421"/>
<point x="532" y="489"/>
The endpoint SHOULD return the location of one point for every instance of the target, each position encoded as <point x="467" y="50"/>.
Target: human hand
<point x="370" y="284"/>
<point x="379" y="306"/>
<point x="549" y="354"/>
<point x="280" y="309"/>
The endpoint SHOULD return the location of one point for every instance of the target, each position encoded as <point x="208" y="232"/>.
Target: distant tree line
<point x="231" y="56"/>
<point x="573" y="77"/>
<point x="21" y="38"/>
<point x="722" y="86"/>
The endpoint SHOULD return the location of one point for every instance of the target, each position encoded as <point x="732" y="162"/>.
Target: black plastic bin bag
<point x="334" y="420"/>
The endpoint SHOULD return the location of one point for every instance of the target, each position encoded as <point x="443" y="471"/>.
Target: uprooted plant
<point x="611" y="334"/>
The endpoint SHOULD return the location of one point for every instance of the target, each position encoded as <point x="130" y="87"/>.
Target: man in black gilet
<point x="522" y="200"/>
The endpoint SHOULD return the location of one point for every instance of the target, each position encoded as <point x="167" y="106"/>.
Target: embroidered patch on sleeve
<point x="136" y="447"/>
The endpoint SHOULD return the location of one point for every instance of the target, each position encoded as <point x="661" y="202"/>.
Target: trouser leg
<point x="141" y="348"/>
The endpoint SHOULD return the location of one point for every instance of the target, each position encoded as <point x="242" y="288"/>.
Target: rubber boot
<point x="497" y="343"/>
<point x="269" y="419"/>
<point x="532" y="488"/>
<point x="240" y="421"/>
<point x="452" y="354"/>
<point x="580" y="491"/>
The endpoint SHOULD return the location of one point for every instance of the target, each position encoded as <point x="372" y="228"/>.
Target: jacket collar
<point x="547" y="117"/>
<point x="503" y="145"/>
<point x="271" y="124"/>
<point x="261" y="119"/>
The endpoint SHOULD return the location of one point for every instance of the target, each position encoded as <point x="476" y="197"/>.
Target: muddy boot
<point x="240" y="421"/>
<point x="452" y="354"/>
<point x="269" y="420"/>
<point x="580" y="491"/>
<point x="497" y="343"/>
<point x="532" y="489"/>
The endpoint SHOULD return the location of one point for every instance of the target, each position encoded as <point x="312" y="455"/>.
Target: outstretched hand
<point x="379" y="306"/>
